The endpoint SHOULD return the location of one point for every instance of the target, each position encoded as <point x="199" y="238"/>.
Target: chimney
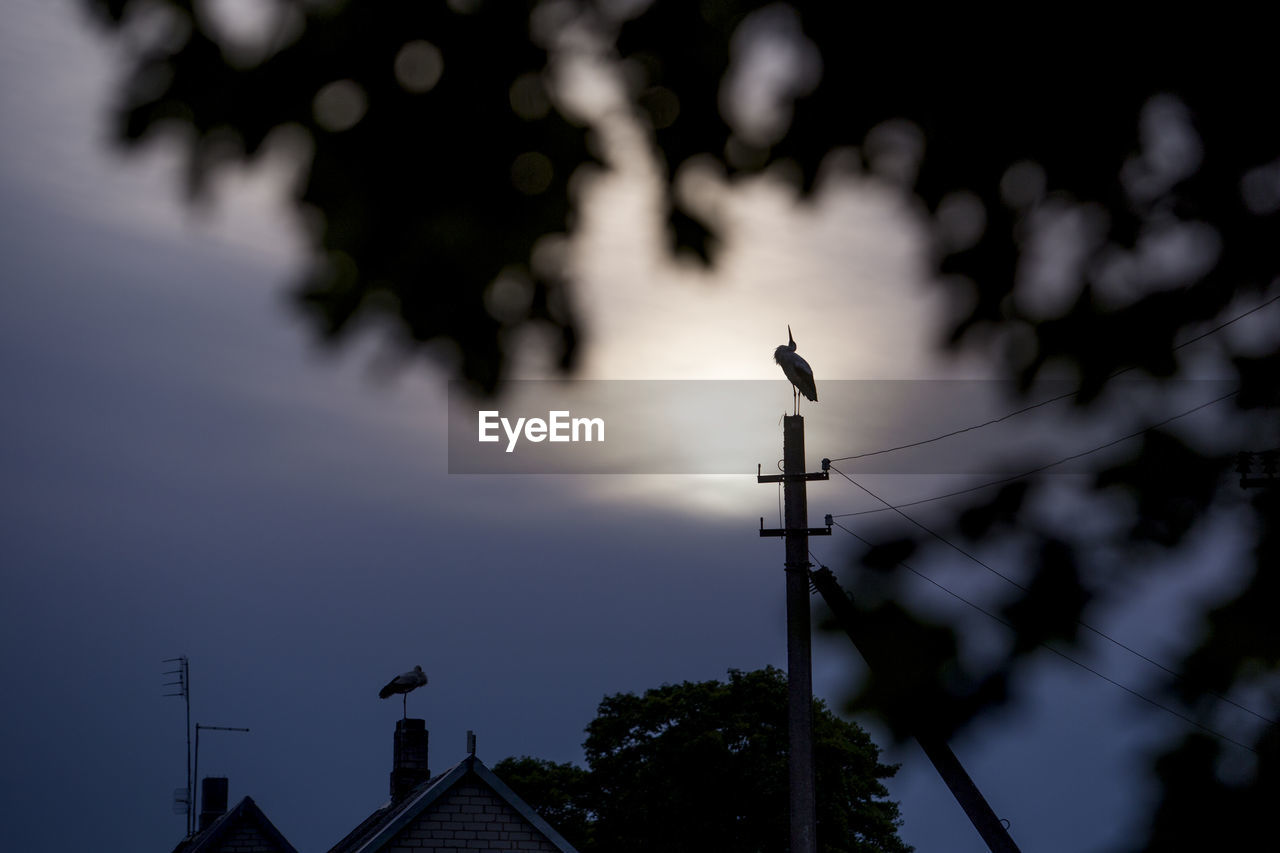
<point x="213" y="800"/>
<point x="409" y="763"/>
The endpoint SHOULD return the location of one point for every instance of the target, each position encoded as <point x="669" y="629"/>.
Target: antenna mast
<point x="183" y="685"/>
<point x="201" y="726"/>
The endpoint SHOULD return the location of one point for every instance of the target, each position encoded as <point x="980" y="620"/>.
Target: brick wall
<point x="470" y="817"/>
<point x="246" y="838"/>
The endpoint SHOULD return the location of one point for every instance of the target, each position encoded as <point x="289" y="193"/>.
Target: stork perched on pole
<point x="797" y="370"/>
<point x="402" y="684"/>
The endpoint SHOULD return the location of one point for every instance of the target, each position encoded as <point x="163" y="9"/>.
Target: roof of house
<point x="245" y="817"/>
<point x="377" y="830"/>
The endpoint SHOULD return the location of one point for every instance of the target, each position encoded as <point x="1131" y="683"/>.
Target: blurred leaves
<point x="1171" y="486"/>
<point x="427" y="193"/>
<point x="1001" y="513"/>
<point x="1053" y="601"/>
<point x="888" y="555"/>
<point x="1213" y="800"/>
<point x="427" y="182"/>
<point x="434" y="173"/>
<point x="1241" y="641"/>
<point x="917" y="682"/>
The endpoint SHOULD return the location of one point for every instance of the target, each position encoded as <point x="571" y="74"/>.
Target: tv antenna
<point x="182" y="797"/>
<point x="199" y="727"/>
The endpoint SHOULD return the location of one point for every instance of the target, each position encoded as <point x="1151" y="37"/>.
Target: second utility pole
<point x="803" y="800"/>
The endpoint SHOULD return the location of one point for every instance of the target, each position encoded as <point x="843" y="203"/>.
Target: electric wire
<point x="1081" y="664"/>
<point x="1224" y="324"/>
<point x="1045" y="467"/>
<point x="956" y="431"/>
<point x="930" y="531"/>
<point x="1029" y="408"/>
<point x="897" y="508"/>
<point x="1020" y="586"/>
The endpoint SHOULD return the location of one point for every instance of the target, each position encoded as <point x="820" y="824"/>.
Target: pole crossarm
<point x="785" y="478"/>
<point x="783" y="531"/>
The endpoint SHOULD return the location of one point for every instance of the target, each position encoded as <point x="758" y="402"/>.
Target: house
<point x="243" y="829"/>
<point x="465" y="808"/>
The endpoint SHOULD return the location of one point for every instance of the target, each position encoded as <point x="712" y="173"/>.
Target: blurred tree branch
<point x="441" y="162"/>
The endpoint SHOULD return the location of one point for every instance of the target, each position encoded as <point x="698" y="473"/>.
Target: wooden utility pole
<point x="803" y="799"/>
<point x="962" y="787"/>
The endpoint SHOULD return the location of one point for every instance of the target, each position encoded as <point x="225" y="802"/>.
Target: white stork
<point x="403" y="683"/>
<point x="797" y="370"/>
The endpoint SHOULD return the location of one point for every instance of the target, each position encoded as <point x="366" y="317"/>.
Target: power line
<point x="1013" y="582"/>
<point x="929" y="530"/>
<point x="1223" y="325"/>
<point x="957" y="431"/>
<point x="1045" y="467"/>
<point x="1069" y="658"/>
<point x="1029" y="408"/>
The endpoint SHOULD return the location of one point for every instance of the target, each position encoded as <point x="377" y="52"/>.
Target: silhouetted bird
<point x="403" y="683"/>
<point x="797" y="370"/>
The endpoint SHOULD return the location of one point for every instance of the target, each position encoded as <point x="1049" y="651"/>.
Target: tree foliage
<point x="560" y="793"/>
<point x="1099" y="190"/>
<point x="431" y="172"/>
<point x="703" y="766"/>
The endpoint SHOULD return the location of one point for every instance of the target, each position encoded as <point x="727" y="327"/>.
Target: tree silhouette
<point x="560" y="793"/>
<point x="1098" y="192"/>
<point x="703" y="766"/>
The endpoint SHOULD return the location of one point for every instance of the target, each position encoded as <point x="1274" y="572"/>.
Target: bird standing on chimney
<point x="403" y="683"/>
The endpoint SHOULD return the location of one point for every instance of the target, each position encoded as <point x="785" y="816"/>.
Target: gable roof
<point x="377" y="830"/>
<point x="246" y="812"/>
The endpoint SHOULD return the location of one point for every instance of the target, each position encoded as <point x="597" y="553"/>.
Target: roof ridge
<point x="246" y="808"/>
<point x="381" y="826"/>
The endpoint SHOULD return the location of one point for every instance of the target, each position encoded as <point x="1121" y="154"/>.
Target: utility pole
<point x="962" y="787"/>
<point x="803" y="799"/>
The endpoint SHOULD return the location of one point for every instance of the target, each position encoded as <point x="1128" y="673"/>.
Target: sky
<point x="188" y="472"/>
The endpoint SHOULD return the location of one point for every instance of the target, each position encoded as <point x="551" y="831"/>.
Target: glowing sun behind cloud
<point x="843" y="269"/>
